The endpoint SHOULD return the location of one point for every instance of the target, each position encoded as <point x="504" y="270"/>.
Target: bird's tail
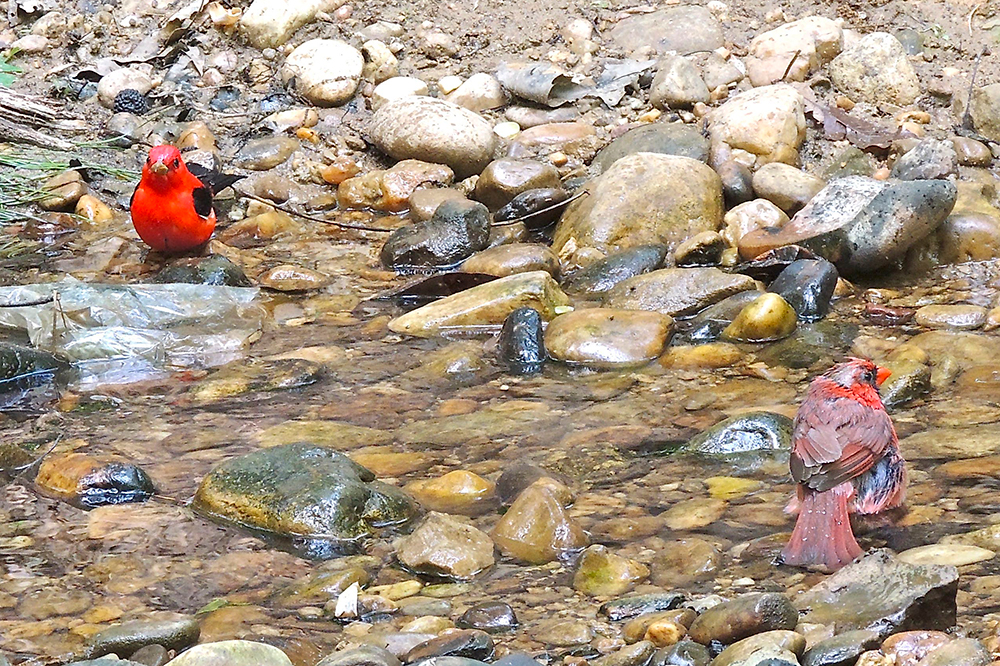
<point x="822" y="536"/>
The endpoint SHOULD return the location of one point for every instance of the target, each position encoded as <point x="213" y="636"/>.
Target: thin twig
<point x="26" y="304"/>
<point x="971" y="15"/>
<point x="314" y="218"/>
<point x="788" y="67"/>
<point x="522" y="218"/>
<point x="967" y="116"/>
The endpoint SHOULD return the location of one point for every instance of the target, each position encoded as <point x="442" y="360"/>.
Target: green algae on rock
<point x="319" y="498"/>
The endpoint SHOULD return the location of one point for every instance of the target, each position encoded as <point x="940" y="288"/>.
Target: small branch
<point x="313" y="218"/>
<point x="788" y="67"/>
<point x="522" y="218"/>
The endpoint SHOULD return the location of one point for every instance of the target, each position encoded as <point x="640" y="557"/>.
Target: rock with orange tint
<point x="459" y="491"/>
<point x="537" y="528"/>
<point x="444" y="546"/>
<point x="88" y="482"/>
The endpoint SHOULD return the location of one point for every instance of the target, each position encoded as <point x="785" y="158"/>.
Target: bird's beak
<point x="158" y="167"/>
<point x="881" y="375"/>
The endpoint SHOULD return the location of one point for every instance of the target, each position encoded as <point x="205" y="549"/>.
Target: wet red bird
<point x="172" y="207"/>
<point x="845" y="459"/>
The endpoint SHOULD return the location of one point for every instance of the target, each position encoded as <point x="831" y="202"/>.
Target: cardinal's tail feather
<point x="822" y="536"/>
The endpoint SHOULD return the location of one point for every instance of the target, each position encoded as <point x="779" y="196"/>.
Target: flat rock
<point x="232" y="653"/>
<point x="444" y="546"/>
<point x="129" y="637"/>
<point x="270" y="23"/>
<point x="642" y="199"/>
<point x="677" y="139"/>
<point x="505" y="260"/>
<point x="743" y="617"/>
<point x="486" y="304"/>
<point x="685" y="29"/>
<point x="885" y="595"/>
<point x="600" y="276"/>
<point x="676" y="291"/>
<point x="876" y="70"/>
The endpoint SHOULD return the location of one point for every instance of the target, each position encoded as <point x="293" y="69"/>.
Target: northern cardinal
<point x="845" y="459"/>
<point x="172" y="207"/>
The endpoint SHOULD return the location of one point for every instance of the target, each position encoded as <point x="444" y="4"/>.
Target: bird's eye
<point x="177" y="162"/>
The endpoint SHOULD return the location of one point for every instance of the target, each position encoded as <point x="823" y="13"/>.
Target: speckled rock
<point x="604" y="337"/>
<point x="743" y="617"/>
<point x="444" y="546"/>
<point x="677" y="84"/>
<point x="928" y="160"/>
<point x="676" y="291"/>
<point x="876" y="70"/>
<point x="433" y="130"/>
<point x="641" y="199"/>
<point x="324" y="71"/>
<point x="768" y="122"/>
<point x="684" y="29"/>
<point x="860" y="224"/>
<point x="488" y="303"/>
<point x="785" y="186"/>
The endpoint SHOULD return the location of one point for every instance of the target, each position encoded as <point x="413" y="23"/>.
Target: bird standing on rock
<point x="172" y="207"/>
<point x="845" y="459"/>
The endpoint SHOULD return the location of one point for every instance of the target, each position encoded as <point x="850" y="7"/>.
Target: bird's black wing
<point x="215" y="181"/>
<point x="202" y="201"/>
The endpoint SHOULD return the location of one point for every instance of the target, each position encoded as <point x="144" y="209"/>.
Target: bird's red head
<point x="858" y="371"/>
<point x="162" y="162"/>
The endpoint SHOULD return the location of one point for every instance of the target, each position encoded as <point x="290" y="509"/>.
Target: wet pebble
<point x="468" y="643"/>
<point x="601" y="573"/>
<point x="842" y="649"/>
<point x="958" y="652"/>
<point x="770" y="648"/>
<point x="505" y="260"/>
<point x="423" y="202"/>
<point x="601" y="276"/>
<point x="766" y="319"/>
<point x="521" y="345"/>
<point x="459" y="491"/>
<point x="666" y="138"/>
<point x="808" y="286"/>
<point x="214" y="269"/>
<point x="637" y="654"/>
<point x="232" y="653"/>
<point x="907" y="648"/>
<point x="604" y="337"/>
<point x="745" y="616"/>
<point x="364" y="655"/>
<point x="517" y="477"/>
<point x="456" y="230"/>
<point x="88" y="482"/>
<point x="535" y="209"/>
<point x="702" y="249"/>
<point x="909" y="380"/>
<point x="637" y="628"/>
<point x="562" y="633"/>
<point x="954" y="317"/>
<point x="129" y="637"/>
<point x="685" y="561"/>
<point x="63" y="191"/>
<point x="683" y="653"/>
<point x="737" y="183"/>
<point x="151" y="655"/>
<point x="577" y="140"/>
<point x="676" y="291"/>
<point x="754" y="431"/>
<point x="504" y="179"/>
<point x="536" y="528"/>
<point x="694" y="513"/>
<point x="291" y="278"/>
<point x="490" y="616"/>
<point x="953" y="554"/>
<point x="627" y="607"/>
<point x="971" y="152"/>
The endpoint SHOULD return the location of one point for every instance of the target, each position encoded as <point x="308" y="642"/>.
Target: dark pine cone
<point x="131" y="101"/>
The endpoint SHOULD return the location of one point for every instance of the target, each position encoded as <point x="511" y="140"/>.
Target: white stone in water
<point x="396" y="88"/>
<point x="347" y="602"/>
<point x="955" y="554"/>
<point x="269" y="23"/>
<point x="324" y="71"/>
<point x="507" y="130"/>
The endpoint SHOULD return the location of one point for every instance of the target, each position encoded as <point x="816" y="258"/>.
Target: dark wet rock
<point x="129" y="637"/>
<point x="810" y="344"/>
<point x="686" y="29"/>
<point x="601" y="276"/>
<point x="30" y="376"/>
<point x="457" y="229"/>
<point x="365" y="655"/>
<point x="770" y="648"/>
<point x="841" y="650"/>
<point x="103" y="661"/>
<point x="959" y="652"/>
<point x="930" y="159"/>
<point x="299" y="490"/>
<point x="885" y="595"/>
<point x="861" y="224"/>
<point x="444" y="546"/>
<point x="884" y="315"/>
<point x="536" y="208"/>
<point x="504" y="179"/>
<point x="642" y="199"/>
<point x="754" y="431"/>
<point x="702" y="249"/>
<point x="151" y="655"/>
<point x="450" y="660"/>
<point x="627" y="607"/>
<point x="493" y="617"/>
<point x="682" y="653"/>
<point x="468" y="643"/>
<point x="232" y="653"/>
<point x="807" y="285"/>
<point x="708" y="324"/>
<point x="637" y="654"/>
<point x="737" y="183"/>
<point x="604" y="337"/>
<point x="519" y="476"/>
<point x="211" y="270"/>
<point x="768" y="266"/>
<point x="766" y="319"/>
<point x="666" y="138"/>
<point x="676" y="291"/>
<point x="909" y="380"/>
<point x="745" y="616"/>
<point x="89" y="483"/>
<point x="521" y="346"/>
